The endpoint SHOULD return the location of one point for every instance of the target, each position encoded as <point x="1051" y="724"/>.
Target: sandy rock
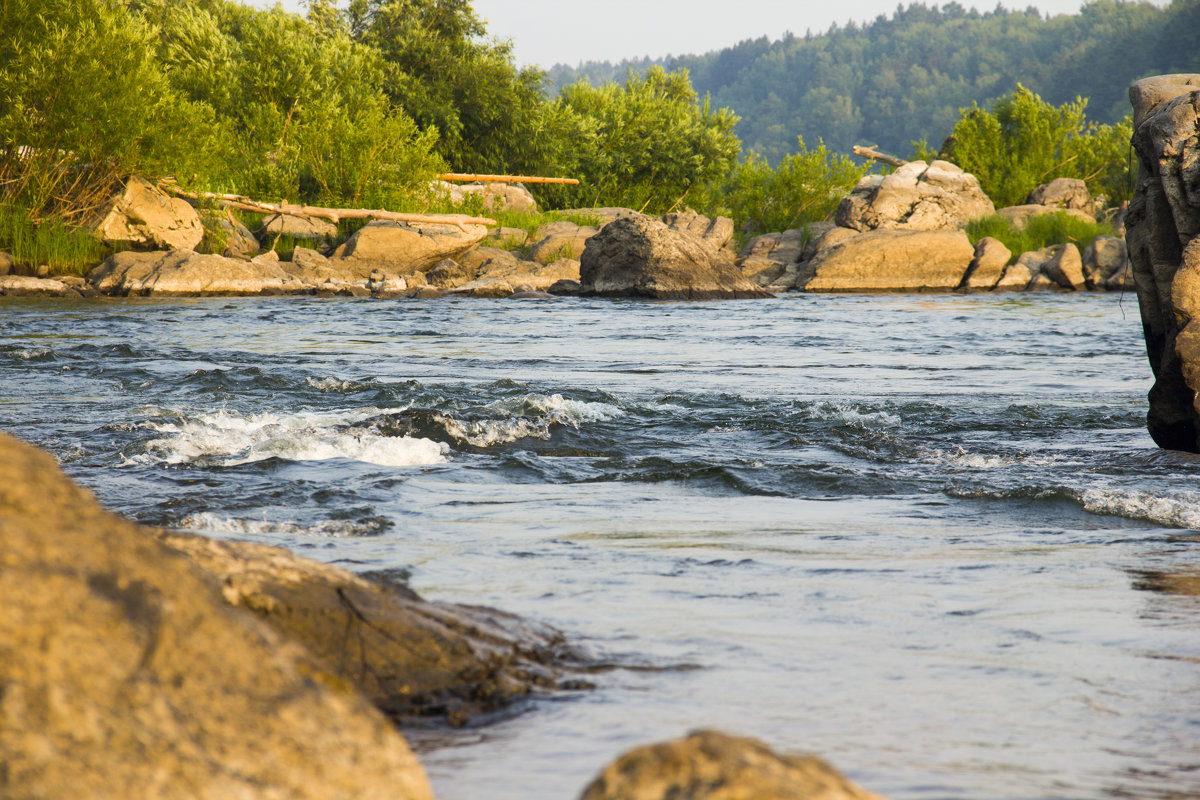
<point x="398" y="248"/>
<point x="490" y="259"/>
<point x="987" y="267"/>
<point x="447" y="273"/>
<point x="23" y="286"/>
<point x="563" y="239"/>
<point x="144" y="216"/>
<point x="1065" y="267"/>
<point x="642" y="257"/>
<point x="1017" y="277"/>
<point x="1162" y="220"/>
<point x="890" y="261"/>
<point x="506" y="238"/>
<point x="496" y="196"/>
<point x="1105" y="259"/>
<point x="311" y="229"/>
<point x="917" y="196"/>
<point x="239" y="241"/>
<point x="764" y="258"/>
<point x="709" y="765"/>
<point x="717" y="231"/>
<point x="1064" y="193"/>
<point x="184" y="272"/>
<point x="126" y="673"/>
<point x="488" y="286"/>
<point x="1019" y="216"/>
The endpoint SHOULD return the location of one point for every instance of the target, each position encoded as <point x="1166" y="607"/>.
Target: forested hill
<point x="896" y="80"/>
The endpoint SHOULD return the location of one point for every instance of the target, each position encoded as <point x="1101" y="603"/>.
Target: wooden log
<point x="334" y="215"/>
<point x="875" y="155"/>
<point x="466" y="177"/>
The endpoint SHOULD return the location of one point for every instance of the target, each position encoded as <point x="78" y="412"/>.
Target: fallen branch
<point x="472" y="178"/>
<point x="334" y="215"/>
<point x="875" y="155"/>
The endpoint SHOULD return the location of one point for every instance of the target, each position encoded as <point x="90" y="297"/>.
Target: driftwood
<point x="460" y="221"/>
<point x="875" y="155"/>
<point x="472" y="178"/>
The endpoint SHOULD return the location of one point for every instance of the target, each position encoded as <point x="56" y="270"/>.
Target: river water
<point x="917" y="535"/>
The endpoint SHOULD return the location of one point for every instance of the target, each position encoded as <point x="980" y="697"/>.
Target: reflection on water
<point x="926" y="537"/>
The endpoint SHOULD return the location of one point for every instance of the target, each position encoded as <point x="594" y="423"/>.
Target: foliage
<point x="1040" y="231"/>
<point x="49" y="242"/>
<point x="650" y="144"/>
<point x="1025" y="141"/>
<point x="898" y="78"/>
<point x="804" y="187"/>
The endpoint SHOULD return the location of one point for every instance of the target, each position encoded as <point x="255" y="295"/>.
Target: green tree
<point x="804" y="187"/>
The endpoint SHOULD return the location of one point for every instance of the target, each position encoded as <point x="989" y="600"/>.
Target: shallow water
<point x="908" y="533"/>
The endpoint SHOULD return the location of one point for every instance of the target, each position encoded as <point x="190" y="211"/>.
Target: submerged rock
<point x="124" y="672"/>
<point x="709" y="765"/>
<point x="642" y="257"/>
<point x="1162" y="226"/>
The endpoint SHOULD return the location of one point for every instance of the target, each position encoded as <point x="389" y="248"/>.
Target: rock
<point x="401" y="247"/>
<point x="642" y="257"/>
<point x="564" y="288"/>
<point x="1017" y="277"/>
<point x="1064" y="266"/>
<point x="1034" y="262"/>
<point x="564" y="239"/>
<point x="312" y="229"/>
<point x="1064" y="193"/>
<point x="1104" y="260"/>
<point x="917" y="196"/>
<point x="1161" y="225"/>
<point x="426" y="293"/>
<point x="717" y="231"/>
<point x="890" y="261"/>
<point x="239" y="241"/>
<point x="183" y="272"/>
<point x="1019" y="216"/>
<point x="487" y="286"/>
<point x="267" y="259"/>
<point x="496" y="196"/>
<point x="306" y="258"/>
<point x="23" y="286"/>
<point x="764" y="258"/>
<point x="603" y="215"/>
<point x="506" y="238"/>
<point x="413" y="659"/>
<point x="7" y="263"/>
<point x="531" y="295"/>
<point x="987" y="267"/>
<point x="709" y="765"/>
<point x="144" y="216"/>
<point x="490" y="259"/>
<point x="447" y="273"/>
<point x="126" y="673"/>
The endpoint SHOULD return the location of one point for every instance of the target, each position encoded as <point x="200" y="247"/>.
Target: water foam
<point x="232" y="439"/>
<point x="849" y="415"/>
<point x="529" y="416"/>
<point x="208" y="522"/>
<point x="1180" y="510"/>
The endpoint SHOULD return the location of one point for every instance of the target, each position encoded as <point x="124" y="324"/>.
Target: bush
<point x="1040" y="231"/>
<point x="51" y="242"/>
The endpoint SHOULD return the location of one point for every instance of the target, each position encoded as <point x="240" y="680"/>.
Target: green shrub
<point x="50" y="242"/>
<point x="1040" y="231"/>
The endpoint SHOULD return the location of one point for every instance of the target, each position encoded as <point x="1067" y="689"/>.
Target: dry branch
<point x="472" y="178"/>
<point x="332" y="214"/>
<point x="875" y="155"/>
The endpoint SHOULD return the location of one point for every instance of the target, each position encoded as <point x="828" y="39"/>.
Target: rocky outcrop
<point x="398" y="248"/>
<point x="125" y="672"/>
<point x="642" y="257"/>
<point x="987" y="267"/>
<point x="184" y="272"/>
<point x="1064" y="193"/>
<point x="764" y="259"/>
<point x="890" y="261"/>
<point x="1162" y="225"/>
<point x="917" y="196"/>
<point x="709" y="765"/>
<point x="143" y="216"/>
<point x="717" y="231"/>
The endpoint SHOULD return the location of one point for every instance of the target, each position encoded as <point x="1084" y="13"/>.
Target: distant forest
<point x="899" y="80"/>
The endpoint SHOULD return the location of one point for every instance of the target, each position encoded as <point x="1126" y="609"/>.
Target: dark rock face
<point x="643" y="257"/>
<point x="125" y="673"/>
<point x="1163" y="217"/>
<point x="709" y="765"/>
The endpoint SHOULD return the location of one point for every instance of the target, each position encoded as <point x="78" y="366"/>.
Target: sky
<point x="549" y="32"/>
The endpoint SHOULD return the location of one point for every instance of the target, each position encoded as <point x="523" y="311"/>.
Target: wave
<point x="230" y="440"/>
<point x="1180" y="510"/>
<point x="208" y="522"/>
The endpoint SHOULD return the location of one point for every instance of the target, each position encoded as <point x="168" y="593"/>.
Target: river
<point x="918" y="535"/>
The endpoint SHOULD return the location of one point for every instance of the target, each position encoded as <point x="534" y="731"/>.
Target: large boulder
<point x="1106" y="262"/>
<point x="710" y="765"/>
<point x="642" y="257"/>
<point x="563" y="239"/>
<point x="398" y="248"/>
<point x="1064" y="193"/>
<point x="184" y="272"/>
<point x="717" y="231"/>
<point x="144" y="216"/>
<point x="917" y="196"/>
<point x="308" y="229"/>
<point x="1163" y="218"/>
<point x="125" y="672"/>
<point x="987" y="267"/>
<point x="764" y="258"/>
<point x="495" y="195"/>
<point x="890" y="261"/>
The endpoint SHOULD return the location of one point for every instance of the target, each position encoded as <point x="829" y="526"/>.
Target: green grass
<point x="67" y="250"/>
<point x="1040" y="231"/>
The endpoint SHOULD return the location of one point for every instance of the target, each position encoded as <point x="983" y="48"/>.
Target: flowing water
<point x="917" y="535"/>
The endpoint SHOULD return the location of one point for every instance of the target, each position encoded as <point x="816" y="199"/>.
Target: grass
<point x="1040" y="231"/>
<point x="65" y="249"/>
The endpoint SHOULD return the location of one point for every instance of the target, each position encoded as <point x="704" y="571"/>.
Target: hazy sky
<point x="548" y="32"/>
